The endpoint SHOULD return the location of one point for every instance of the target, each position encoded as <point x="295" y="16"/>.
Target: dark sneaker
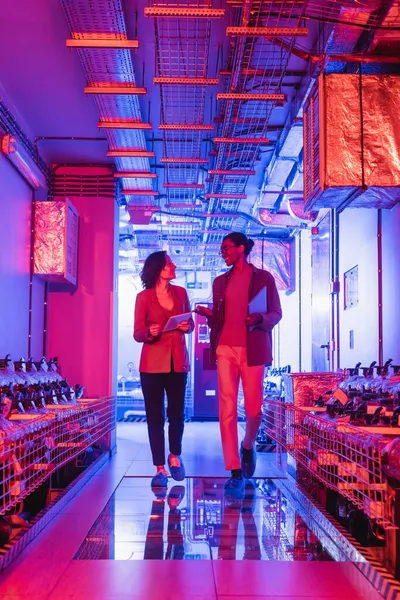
<point x="248" y="461"/>
<point x="176" y="467"/>
<point x="160" y="480"/>
<point x="175" y="496"/>
<point x="234" y="488"/>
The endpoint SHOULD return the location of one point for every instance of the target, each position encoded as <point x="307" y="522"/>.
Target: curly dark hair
<point x="239" y="239"/>
<point x="152" y="268"/>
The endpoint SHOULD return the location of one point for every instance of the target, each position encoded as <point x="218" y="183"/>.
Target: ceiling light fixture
<point x="187" y="160"/>
<point x="120" y="89"/>
<point x="184" y="12"/>
<point x="259" y="97"/>
<point x="100" y="43"/>
<point x="136" y="192"/>
<point x="231" y="172"/>
<point x="134" y="175"/>
<point x="231" y="196"/>
<point x="185" y="127"/>
<point x="130" y="152"/>
<point x="241" y="140"/>
<point x="188" y="186"/>
<point x="185" y="81"/>
<point x="267" y="31"/>
<point x="123" y="125"/>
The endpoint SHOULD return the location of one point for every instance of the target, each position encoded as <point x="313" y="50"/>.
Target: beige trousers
<point x="232" y="365"/>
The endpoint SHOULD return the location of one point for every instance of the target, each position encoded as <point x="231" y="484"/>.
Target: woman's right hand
<point x="154" y="330"/>
<point x="203" y="311"/>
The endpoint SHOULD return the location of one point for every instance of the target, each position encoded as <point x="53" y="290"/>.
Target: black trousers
<point x="154" y="547"/>
<point x="154" y="385"/>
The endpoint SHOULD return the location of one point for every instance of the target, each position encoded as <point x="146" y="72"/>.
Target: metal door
<point x="321" y="301"/>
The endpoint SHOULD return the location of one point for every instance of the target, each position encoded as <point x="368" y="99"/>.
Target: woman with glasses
<point x="164" y="361"/>
<point x="242" y="345"/>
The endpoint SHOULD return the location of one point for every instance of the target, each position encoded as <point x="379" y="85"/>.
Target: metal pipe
<point x="380" y="289"/>
<point x="31" y="269"/>
<point x="300" y="292"/>
<point x="45" y="306"/>
<point x="337" y="246"/>
<point x="333" y="336"/>
<point x="56" y="138"/>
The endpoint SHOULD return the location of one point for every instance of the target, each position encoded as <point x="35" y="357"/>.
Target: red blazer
<point x="259" y="340"/>
<point x="157" y="352"/>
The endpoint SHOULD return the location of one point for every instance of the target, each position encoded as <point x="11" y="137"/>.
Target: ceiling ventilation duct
<point x="141" y="215"/>
<point x="272" y="219"/>
<point x="282" y="167"/>
<point x="351" y="144"/>
<point x="296" y="209"/>
<point x="343" y="39"/>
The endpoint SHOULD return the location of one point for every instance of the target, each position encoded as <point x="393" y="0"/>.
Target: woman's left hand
<point x="184" y="327"/>
<point x="254" y="320"/>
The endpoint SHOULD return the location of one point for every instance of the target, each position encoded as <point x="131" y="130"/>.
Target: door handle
<point x="327" y="346"/>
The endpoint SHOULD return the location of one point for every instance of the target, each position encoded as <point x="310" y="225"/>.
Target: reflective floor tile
<point x="305" y="579"/>
<point x="196" y="521"/>
<point x="150" y="580"/>
<point x="34" y="578"/>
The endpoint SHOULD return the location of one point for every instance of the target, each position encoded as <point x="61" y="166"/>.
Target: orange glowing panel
<point x="260" y="97"/>
<point x="130" y="152"/>
<point x="185" y="127"/>
<point x="188" y="160"/>
<point x="123" y="125"/>
<point x="126" y="89"/>
<point x="136" y="192"/>
<point x="187" y="186"/>
<point x="56" y="241"/>
<point x="185" y="81"/>
<point x="184" y="12"/>
<point x="134" y="175"/>
<point x="102" y="43"/>
<point x="267" y="31"/>
<point x="241" y="140"/>
<point x="231" y="172"/>
<point x="232" y="196"/>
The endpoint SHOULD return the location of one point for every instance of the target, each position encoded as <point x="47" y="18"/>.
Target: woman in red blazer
<point x="164" y="361"/>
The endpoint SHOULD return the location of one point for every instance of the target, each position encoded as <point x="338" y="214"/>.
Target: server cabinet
<point x="205" y="392"/>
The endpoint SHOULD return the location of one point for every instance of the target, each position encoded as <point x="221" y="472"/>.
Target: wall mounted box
<point x="56" y="241"/>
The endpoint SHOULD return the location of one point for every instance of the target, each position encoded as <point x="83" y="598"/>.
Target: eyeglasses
<point x="225" y="249"/>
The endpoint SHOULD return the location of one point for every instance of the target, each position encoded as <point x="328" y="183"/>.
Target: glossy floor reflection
<point x="195" y="521"/>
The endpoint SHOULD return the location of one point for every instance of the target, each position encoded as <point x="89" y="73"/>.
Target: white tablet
<point x="174" y="321"/>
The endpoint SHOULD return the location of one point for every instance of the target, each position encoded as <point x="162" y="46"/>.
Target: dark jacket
<point x="157" y="352"/>
<point x="259" y="340"/>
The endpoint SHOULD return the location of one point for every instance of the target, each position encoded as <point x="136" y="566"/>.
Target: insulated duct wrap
<point x="56" y="241"/>
<point x="302" y="389"/>
<point x="352" y="142"/>
<point x="277" y="258"/>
